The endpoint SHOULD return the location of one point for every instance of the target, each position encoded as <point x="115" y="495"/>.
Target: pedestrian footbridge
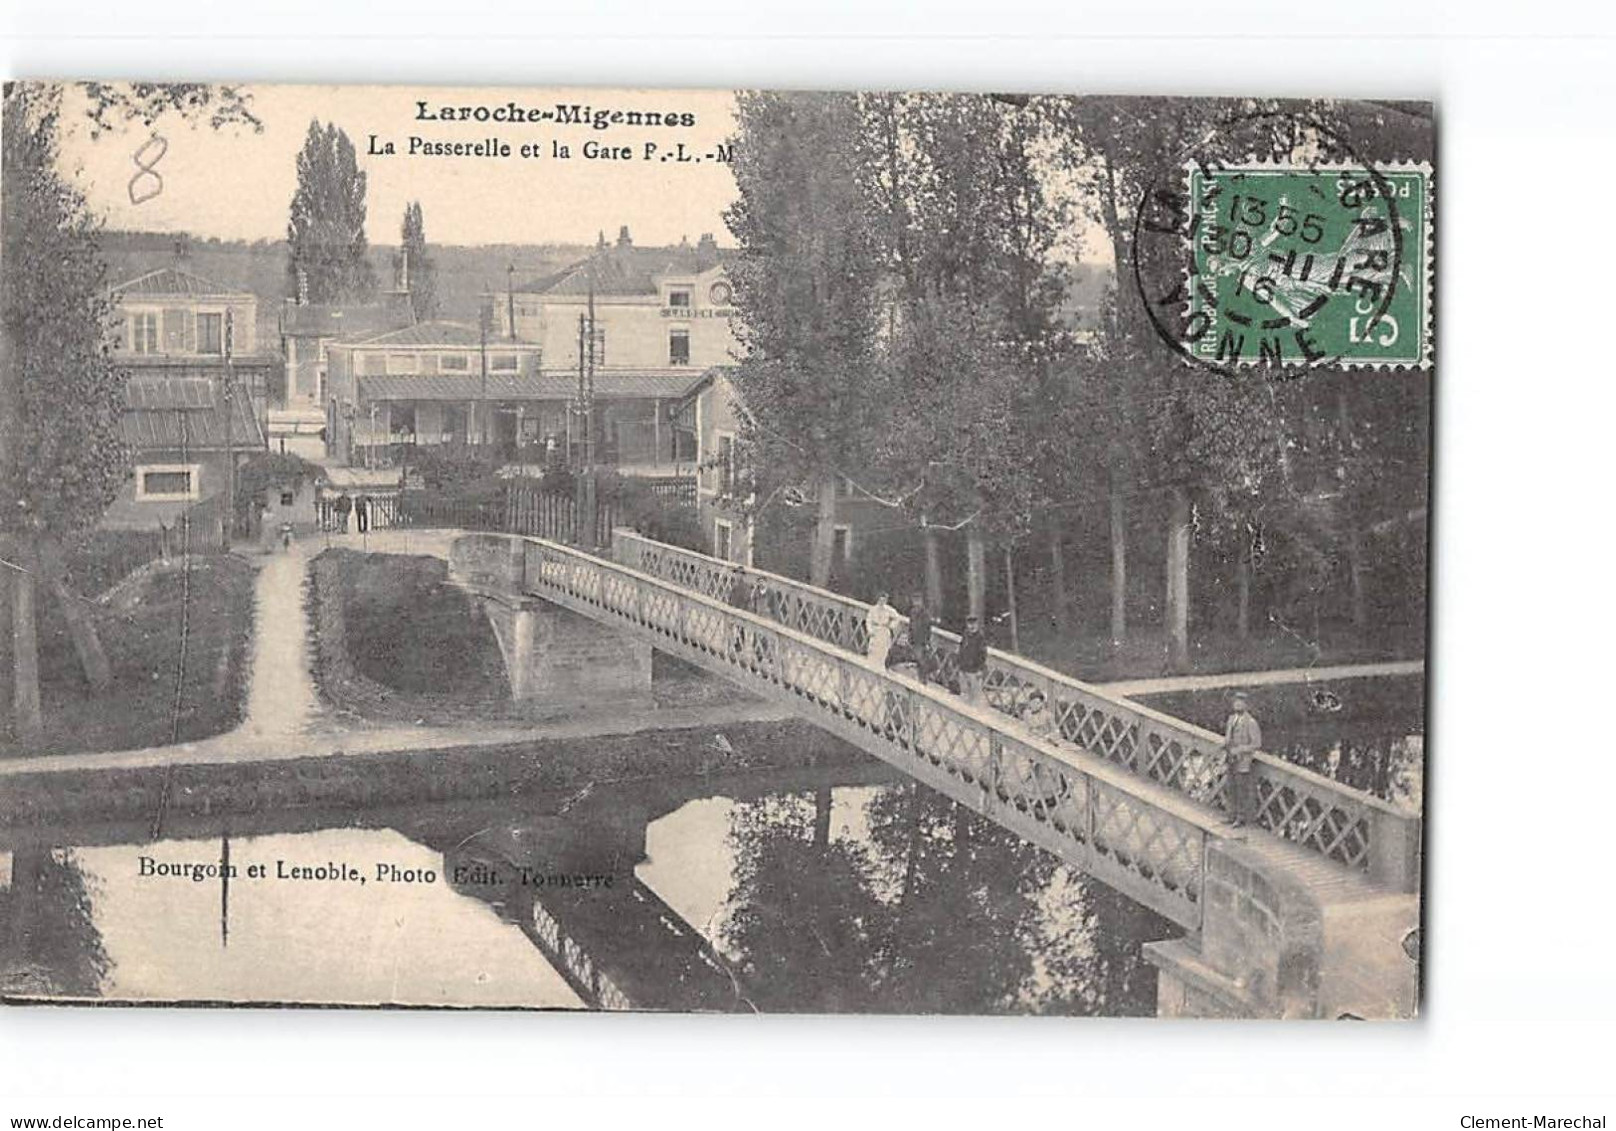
<point x="1310" y="915"/>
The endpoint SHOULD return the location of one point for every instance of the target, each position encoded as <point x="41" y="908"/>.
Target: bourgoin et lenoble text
<point x="654" y="140"/>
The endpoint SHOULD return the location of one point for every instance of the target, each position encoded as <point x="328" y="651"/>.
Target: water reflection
<point x="279" y="939"/>
<point x="893" y="898"/>
<point x="822" y="890"/>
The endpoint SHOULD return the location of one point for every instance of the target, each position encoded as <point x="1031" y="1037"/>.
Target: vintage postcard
<point x="714" y="550"/>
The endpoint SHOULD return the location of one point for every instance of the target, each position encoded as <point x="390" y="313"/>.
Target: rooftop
<point x="186" y="413"/>
<point x="623" y="269"/>
<point x="348" y="321"/>
<point x="173" y="281"/>
<point x="438" y="333"/>
<point x="555" y="385"/>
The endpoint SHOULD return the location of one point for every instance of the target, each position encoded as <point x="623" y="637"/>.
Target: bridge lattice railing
<point x="1343" y="824"/>
<point x="1140" y="837"/>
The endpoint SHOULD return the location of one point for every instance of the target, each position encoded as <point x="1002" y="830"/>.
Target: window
<point x="678" y="347"/>
<point x="502" y="362"/>
<point x="286" y="498"/>
<point x="679" y="297"/>
<point x="210" y="333"/>
<point x="143" y="332"/>
<point x="455" y="361"/>
<point x="403" y="363"/>
<point x="163" y="482"/>
<point x="723" y="538"/>
<point x="372" y="364"/>
<point x="726" y="463"/>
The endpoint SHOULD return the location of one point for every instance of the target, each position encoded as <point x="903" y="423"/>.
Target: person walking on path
<point x="344" y="506"/>
<point x="362" y="513"/>
<point x="881" y="622"/>
<point x="1241" y="739"/>
<point x="973" y="661"/>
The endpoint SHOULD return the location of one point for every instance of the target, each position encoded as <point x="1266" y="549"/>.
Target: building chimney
<point x="600" y="240"/>
<point x="706" y="251"/>
<point x="623" y="240"/>
<point x="182" y="248"/>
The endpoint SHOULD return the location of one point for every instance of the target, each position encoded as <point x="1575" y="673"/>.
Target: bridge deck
<point x="1136" y="833"/>
<point x="1333" y="820"/>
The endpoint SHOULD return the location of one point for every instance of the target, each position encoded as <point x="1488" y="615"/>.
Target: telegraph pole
<point x="510" y="299"/>
<point x="589" y="380"/>
<point x="583" y="381"/>
<point x="229" y="427"/>
<point x="484" y="317"/>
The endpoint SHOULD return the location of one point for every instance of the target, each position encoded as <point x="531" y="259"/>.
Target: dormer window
<point x="679" y="298"/>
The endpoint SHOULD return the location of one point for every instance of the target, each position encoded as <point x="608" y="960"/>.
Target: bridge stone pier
<point x="555" y="659"/>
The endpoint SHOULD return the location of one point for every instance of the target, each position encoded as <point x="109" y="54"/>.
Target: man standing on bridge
<point x="973" y="661"/>
<point x="1241" y="739"/>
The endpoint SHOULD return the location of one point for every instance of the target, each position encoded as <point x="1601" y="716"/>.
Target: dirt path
<point x="285" y="717"/>
<point x="1130" y="687"/>
<point x="281" y="699"/>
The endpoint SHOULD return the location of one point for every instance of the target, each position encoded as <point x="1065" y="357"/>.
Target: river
<point x="814" y="890"/>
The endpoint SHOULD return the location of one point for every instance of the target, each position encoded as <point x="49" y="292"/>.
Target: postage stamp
<point x="1295" y="265"/>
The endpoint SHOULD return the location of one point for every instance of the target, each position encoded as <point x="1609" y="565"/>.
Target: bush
<point x="102" y="558"/>
<point x="451" y="468"/>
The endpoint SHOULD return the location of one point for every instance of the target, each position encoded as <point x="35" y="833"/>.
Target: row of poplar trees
<point x="901" y="281"/>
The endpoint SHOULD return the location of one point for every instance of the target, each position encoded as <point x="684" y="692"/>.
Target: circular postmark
<point x="1268" y="244"/>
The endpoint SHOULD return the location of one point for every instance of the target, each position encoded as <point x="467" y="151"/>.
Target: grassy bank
<point x="396" y="642"/>
<point x="177" y="641"/>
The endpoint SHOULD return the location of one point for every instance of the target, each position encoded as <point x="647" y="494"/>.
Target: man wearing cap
<point x="972" y="658"/>
<point x="1241" y="739"/>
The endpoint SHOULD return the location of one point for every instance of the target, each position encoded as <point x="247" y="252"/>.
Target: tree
<point x="327" y="258"/>
<point x="1198" y="437"/>
<point x="416" y="270"/>
<point x="970" y="235"/>
<point x="807" y="292"/>
<point x="64" y="456"/>
<point x="61" y="398"/>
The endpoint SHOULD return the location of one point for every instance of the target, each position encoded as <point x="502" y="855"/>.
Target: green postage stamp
<point x="1296" y="265"/>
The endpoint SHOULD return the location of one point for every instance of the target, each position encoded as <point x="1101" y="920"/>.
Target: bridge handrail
<point x="1138" y="835"/>
<point x="1344" y="824"/>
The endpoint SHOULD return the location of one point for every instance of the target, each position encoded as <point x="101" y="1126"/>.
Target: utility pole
<point x="510" y="299"/>
<point x="583" y="380"/>
<point x="589" y="379"/>
<point x="229" y="427"/>
<point x="485" y="316"/>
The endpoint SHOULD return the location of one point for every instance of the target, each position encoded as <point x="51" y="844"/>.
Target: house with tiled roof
<point x="299" y="418"/>
<point x="654" y="307"/>
<point x="172" y="320"/>
<point x="661" y="316"/>
<point x="198" y="382"/>
<point x="181" y="431"/>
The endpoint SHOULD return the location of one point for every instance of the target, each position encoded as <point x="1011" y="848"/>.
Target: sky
<point x="236" y="184"/>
